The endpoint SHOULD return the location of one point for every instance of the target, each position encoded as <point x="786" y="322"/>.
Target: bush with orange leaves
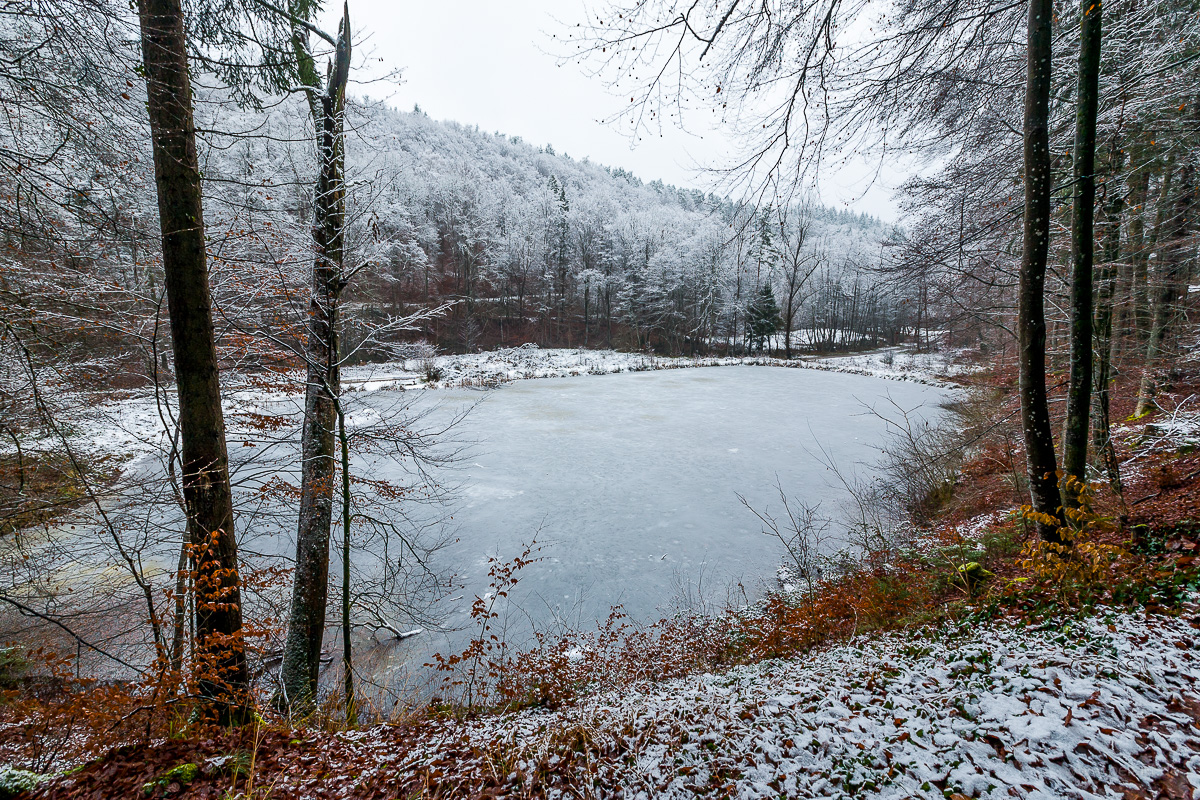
<point x="1096" y="562"/>
<point x="1084" y="566"/>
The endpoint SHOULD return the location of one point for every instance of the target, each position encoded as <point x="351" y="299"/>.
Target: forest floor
<point x="1099" y="706"/>
<point x="912" y="676"/>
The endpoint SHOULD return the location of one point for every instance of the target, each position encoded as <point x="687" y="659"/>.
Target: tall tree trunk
<point x="1139" y="192"/>
<point x="1114" y="207"/>
<point x="1079" y="392"/>
<point x="1172" y="261"/>
<point x="310" y="589"/>
<point x="219" y="646"/>
<point x="1031" y="316"/>
<point x="787" y="335"/>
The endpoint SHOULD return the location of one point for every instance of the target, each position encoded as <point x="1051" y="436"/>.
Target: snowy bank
<point x="1080" y="708"/>
<point x="530" y="361"/>
<point x="134" y="423"/>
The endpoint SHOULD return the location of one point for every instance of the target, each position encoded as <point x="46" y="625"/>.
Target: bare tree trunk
<point x="1172" y="261"/>
<point x="1031" y="322"/>
<point x="1113" y="209"/>
<point x="347" y="651"/>
<point x="301" y="666"/>
<point x="1079" y="392"/>
<point x="1139" y="192"/>
<point x="787" y="332"/>
<point x="205" y="462"/>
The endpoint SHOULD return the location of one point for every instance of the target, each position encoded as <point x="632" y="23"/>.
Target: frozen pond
<point x="629" y="482"/>
<point x="632" y="481"/>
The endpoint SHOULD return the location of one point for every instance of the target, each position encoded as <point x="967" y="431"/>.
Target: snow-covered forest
<point x="513" y="243"/>
<point x="538" y="247"/>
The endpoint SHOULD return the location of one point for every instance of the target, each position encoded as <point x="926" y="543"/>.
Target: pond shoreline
<point x="527" y="362"/>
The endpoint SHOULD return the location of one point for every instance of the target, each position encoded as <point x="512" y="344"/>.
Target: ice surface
<point x="631" y="481"/>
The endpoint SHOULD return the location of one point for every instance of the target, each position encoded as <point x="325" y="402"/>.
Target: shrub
<point x="1081" y="570"/>
<point x="13" y="666"/>
<point x="430" y="371"/>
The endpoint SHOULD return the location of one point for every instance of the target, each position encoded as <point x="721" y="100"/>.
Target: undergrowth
<point x="35" y="488"/>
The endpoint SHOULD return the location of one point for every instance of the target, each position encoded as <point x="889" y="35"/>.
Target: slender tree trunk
<point x="219" y="647"/>
<point x="310" y="590"/>
<point x="1079" y="392"/>
<point x="1172" y="262"/>
<point x="1113" y="210"/>
<point x="1139" y="192"/>
<point x="1031" y="321"/>
<point x="179" y="620"/>
<point x="347" y="651"/>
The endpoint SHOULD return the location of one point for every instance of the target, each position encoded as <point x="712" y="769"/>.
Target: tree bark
<point x="347" y="647"/>
<point x="1031" y="318"/>
<point x="1139" y="306"/>
<point x="301" y="666"/>
<point x="203" y="455"/>
<point x="1079" y="392"/>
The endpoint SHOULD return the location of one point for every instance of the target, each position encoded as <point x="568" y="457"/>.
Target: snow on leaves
<point x="1073" y="709"/>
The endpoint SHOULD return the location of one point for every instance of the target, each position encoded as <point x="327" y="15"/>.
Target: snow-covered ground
<point x="1177" y="428"/>
<point x="904" y="363"/>
<point x="1074" y="708"/>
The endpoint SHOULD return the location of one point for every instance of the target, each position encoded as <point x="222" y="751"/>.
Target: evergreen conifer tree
<point x="764" y="319"/>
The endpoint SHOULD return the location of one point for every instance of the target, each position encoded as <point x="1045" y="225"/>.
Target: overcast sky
<point x="494" y="64"/>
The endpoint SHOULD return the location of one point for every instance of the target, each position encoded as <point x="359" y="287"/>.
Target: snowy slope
<point x="1072" y="709"/>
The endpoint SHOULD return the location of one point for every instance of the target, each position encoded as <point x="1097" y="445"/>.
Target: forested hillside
<point x="511" y="243"/>
<point x="539" y="247"/>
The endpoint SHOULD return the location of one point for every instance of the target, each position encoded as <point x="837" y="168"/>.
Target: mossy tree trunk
<point x="1169" y="271"/>
<point x="1139" y="191"/>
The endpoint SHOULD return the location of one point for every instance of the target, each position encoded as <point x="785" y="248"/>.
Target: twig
<point x="24" y="609"/>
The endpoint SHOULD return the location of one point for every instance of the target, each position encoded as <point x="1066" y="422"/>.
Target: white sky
<point x="492" y="63"/>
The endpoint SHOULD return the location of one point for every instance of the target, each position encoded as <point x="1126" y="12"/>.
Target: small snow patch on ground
<point x="1179" y="428"/>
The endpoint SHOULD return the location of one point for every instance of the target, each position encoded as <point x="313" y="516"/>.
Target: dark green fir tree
<point x="764" y="320"/>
